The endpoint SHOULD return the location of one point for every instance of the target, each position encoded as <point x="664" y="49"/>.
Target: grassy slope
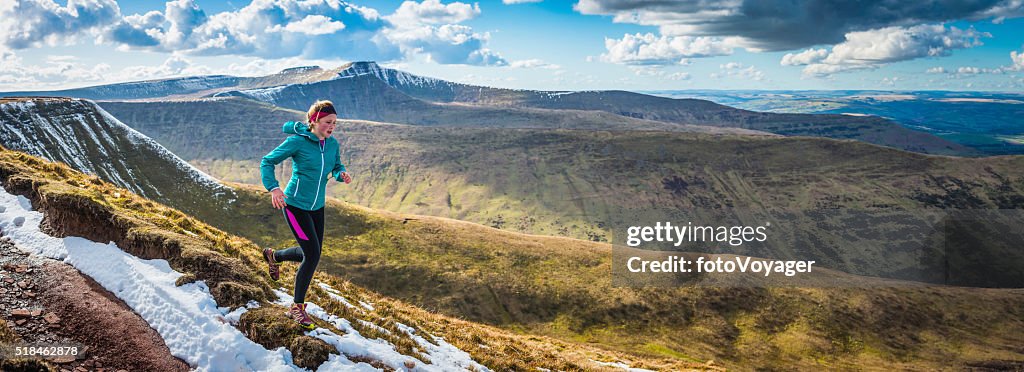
<point x="562" y="288"/>
<point x="83" y="205"/>
<point x="552" y="287"/>
<point x="572" y="182"/>
<point x="548" y="286"/>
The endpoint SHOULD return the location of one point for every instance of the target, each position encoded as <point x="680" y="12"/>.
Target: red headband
<point x="317" y="115"/>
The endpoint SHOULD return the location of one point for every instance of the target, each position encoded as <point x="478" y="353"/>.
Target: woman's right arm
<point x="283" y="151"/>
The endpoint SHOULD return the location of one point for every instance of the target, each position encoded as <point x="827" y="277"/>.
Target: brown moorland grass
<point x="83" y="205"/>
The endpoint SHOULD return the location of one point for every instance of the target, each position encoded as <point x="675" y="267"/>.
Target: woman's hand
<point x="345" y="177"/>
<point x="277" y="198"/>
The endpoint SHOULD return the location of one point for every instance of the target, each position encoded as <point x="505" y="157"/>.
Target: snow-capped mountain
<point x="361" y="91"/>
<point x="140" y="89"/>
<point x="86" y="137"/>
<point x="185" y="87"/>
<point x="401" y="80"/>
<point x="365" y="90"/>
<point x="377" y="93"/>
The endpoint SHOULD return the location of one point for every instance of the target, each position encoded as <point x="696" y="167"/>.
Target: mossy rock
<point x="310" y="352"/>
<point x="269" y="326"/>
<point x="234" y="294"/>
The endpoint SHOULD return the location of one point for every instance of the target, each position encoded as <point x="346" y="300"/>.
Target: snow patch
<point x="186" y="317"/>
<point x="556" y="94"/>
<point x="234" y="316"/>
<point x="366" y="305"/>
<point x="442" y="355"/>
<point x="622" y="365"/>
<point x="335" y="295"/>
<point x="264" y="94"/>
<point x="390" y="76"/>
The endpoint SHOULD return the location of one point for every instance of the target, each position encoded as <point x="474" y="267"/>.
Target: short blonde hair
<point x="319" y="106"/>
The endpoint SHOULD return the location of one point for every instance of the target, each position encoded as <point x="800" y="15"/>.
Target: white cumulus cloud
<point x="892" y="44"/>
<point x="806" y="57"/>
<point x="33" y="23"/>
<point x="739" y="71"/>
<point x="658" y="71"/>
<point x="649" y="49"/>
<point x="1017" y="61"/>
<point x="430" y="28"/>
<point x="533" y="63"/>
<point x="873" y="48"/>
<point x="433" y="12"/>
<point x="54" y="71"/>
<point x="269" y="29"/>
<point x="446" y="44"/>
<point x="313" y="24"/>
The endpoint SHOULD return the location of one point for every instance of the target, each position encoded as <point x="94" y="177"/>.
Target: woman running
<point x="315" y="158"/>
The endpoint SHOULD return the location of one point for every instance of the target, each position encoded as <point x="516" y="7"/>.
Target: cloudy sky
<point x="534" y="44"/>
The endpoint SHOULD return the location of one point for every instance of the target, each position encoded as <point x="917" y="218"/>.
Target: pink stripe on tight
<point x="295" y="225"/>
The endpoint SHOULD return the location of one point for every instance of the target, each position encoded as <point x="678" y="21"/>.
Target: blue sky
<point x="551" y="45"/>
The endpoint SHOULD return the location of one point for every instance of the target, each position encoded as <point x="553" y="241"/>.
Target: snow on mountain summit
<point x="390" y="76"/>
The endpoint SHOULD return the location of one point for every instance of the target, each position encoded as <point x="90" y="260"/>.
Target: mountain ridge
<point x="296" y="87"/>
<point x="624" y="103"/>
<point x="185" y="87"/>
<point x="81" y="133"/>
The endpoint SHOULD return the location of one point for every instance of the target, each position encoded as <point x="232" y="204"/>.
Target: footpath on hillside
<point x="47" y="302"/>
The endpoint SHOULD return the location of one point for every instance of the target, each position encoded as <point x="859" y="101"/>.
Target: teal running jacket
<point x="313" y="163"/>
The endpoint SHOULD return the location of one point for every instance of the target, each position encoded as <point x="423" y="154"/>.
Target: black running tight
<point x="308" y="229"/>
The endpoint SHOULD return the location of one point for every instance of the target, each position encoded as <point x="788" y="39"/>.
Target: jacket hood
<point x="300" y="128"/>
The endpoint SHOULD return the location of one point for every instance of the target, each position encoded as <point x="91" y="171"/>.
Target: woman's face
<point x="325" y="125"/>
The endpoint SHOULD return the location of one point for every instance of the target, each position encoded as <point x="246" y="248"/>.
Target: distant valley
<point x="990" y="122"/>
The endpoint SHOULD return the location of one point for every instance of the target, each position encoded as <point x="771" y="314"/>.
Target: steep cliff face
<point x="83" y="135"/>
